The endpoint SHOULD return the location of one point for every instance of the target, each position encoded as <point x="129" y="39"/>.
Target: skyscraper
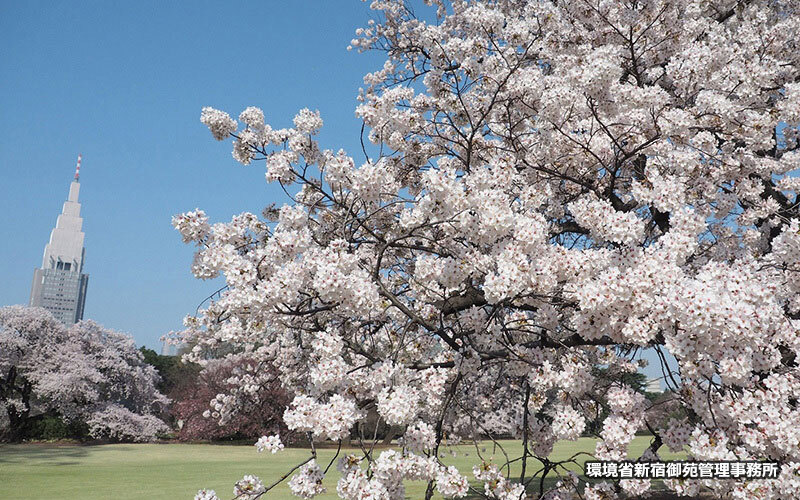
<point x="60" y="285"/>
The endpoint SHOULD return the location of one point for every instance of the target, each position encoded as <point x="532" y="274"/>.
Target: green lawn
<point x="177" y="471"/>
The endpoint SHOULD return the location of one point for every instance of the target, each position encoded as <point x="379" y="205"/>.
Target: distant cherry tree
<point x="550" y="187"/>
<point x="257" y="412"/>
<point x="84" y="372"/>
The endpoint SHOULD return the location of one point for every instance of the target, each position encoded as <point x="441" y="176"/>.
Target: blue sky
<point x="123" y="84"/>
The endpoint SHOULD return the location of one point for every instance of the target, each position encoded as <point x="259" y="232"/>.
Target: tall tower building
<point x="60" y="285"/>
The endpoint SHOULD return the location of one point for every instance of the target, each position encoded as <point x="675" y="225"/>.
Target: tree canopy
<point x="83" y="373"/>
<point x="555" y="187"/>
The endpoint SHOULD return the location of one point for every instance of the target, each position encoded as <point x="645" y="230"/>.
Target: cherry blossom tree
<point x="83" y="372"/>
<point x="255" y="413"/>
<point x="551" y="187"/>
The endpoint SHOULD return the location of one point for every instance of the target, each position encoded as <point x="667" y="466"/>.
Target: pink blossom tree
<point x="256" y="413"/>
<point x="84" y="372"/>
<point x="552" y="187"/>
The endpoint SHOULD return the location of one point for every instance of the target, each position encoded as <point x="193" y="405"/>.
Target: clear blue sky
<point x="123" y="83"/>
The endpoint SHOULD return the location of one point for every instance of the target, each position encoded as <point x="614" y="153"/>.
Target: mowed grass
<point x="177" y="471"/>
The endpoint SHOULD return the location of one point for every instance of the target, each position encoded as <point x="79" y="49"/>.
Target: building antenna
<point x="78" y="168"/>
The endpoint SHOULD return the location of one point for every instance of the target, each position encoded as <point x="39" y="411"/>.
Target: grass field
<point x="177" y="471"/>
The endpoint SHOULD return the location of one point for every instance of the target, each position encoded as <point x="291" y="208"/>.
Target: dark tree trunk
<point x="15" y="387"/>
<point x="391" y="433"/>
<point x="16" y="428"/>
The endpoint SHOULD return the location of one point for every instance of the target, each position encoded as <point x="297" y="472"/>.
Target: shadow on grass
<point x="44" y="453"/>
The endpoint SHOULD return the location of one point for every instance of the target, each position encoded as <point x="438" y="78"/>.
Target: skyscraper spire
<point x="60" y="284"/>
<point x="78" y="169"/>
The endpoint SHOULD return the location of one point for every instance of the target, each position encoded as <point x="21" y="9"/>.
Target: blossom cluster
<point x="307" y="483"/>
<point x="271" y="443"/>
